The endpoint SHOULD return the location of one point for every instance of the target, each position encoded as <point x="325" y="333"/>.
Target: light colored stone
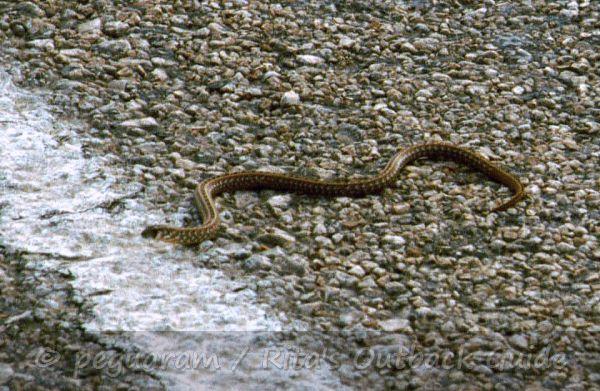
<point x="394" y="325"/>
<point x="290" y="98"/>
<point x="396" y="240"/>
<point x="310" y="59"/>
<point x="91" y="26"/>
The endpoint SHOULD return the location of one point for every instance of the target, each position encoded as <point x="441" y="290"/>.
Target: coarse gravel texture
<point x="186" y="90"/>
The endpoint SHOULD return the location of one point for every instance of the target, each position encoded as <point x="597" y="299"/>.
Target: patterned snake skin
<point x="253" y="180"/>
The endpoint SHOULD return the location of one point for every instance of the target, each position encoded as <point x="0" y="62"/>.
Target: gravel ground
<point x="183" y="91"/>
<point x="42" y="338"/>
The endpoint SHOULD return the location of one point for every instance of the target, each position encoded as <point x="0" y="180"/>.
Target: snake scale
<point x="255" y="180"/>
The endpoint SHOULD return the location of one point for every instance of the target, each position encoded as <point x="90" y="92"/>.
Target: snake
<point x="257" y="180"/>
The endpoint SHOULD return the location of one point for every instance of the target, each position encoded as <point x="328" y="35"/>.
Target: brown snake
<point x="254" y="180"/>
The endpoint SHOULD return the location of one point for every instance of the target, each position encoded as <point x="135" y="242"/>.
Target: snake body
<point x="255" y="180"/>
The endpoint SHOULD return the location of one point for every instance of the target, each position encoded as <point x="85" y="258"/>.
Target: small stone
<point x="277" y="237"/>
<point x="114" y="47"/>
<point x="244" y="199"/>
<point x="336" y="238"/>
<point x="27" y="315"/>
<point x="571" y="78"/>
<point x="367" y="283"/>
<point x="349" y="318"/>
<point x="357" y="271"/>
<point x="235" y="250"/>
<point x="400" y="208"/>
<point x="290" y="98"/>
<point x="160" y="74"/>
<point x="448" y="327"/>
<point x="477" y="89"/>
<point x="320" y="229"/>
<point x="394" y="287"/>
<point x="571" y="144"/>
<point x="394" y="239"/>
<point x="116" y="28"/>
<point x="257" y="262"/>
<point x="217" y="29"/>
<point x="383" y="280"/>
<point x="91" y="26"/>
<point x="4" y="277"/>
<point x="564" y="247"/>
<point x="310" y="59"/>
<point x="73" y="53"/>
<point x="426" y="45"/>
<point x="394" y="325"/>
<point x="186" y="164"/>
<point x="519" y="340"/>
<point x="498" y="244"/>
<point x="491" y="72"/>
<point x="144" y="123"/>
<point x="295" y="264"/>
<point x="43" y="44"/>
<point x="346" y="42"/>
<point x="484" y="370"/>
<point x="270" y="74"/>
<point x="118" y="85"/>
<point x="280" y="201"/>
<point x="323" y="241"/>
<point x="408" y="47"/>
<point x="178" y="173"/>
<point x="423" y="311"/>
<point x="30" y="9"/>
<point x="345" y="280"/>
<point x="6" y="373"/>
<point x="203" y="32"/>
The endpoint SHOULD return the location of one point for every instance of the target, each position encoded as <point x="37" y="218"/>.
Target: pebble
<point x="394" y="325"/>
<point x="310" y="59"/>
<point x="91" y="26"/>
<point x="346" y="42"/>
<point x="257" y="262"/>
<point x="320" y="229"/>
<point x="116" y="28"/>
<point x="323" y="241"/>
<point x="44" y="44"/>
<point x="277" y="237"/>
<point x="295" y="264"/>
<point x="394" y="239"/>
<point x="280" y="201"/>
<point x="114" y="47"/>
<point x="160" y="74"/>
<point x="6" y="373"/>
<point x="519" y="341"/>
<point x="395" y="287"/>
<point x="345" y="280"/>
<point x="337" y="238"/>
<point x="357" y="271"/>
<point x="27" y="315"/>
<point x="290" y="98"/>
<point x="145" y="123"/>
<point x="477" y="89"/>
<point x="349" y="318"/>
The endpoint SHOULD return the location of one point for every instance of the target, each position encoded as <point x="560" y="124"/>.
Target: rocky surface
<point x="186" y="90"/>
<point x="42" y="338"/>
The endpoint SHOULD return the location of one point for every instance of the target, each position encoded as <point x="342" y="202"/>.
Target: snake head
<point x="151" y="231"/>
